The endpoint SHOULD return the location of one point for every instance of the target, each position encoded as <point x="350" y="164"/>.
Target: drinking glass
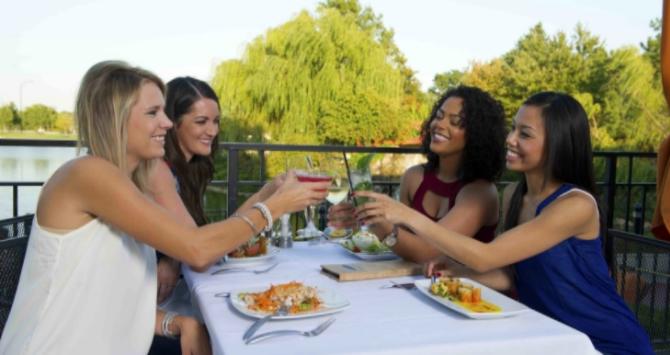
<point x="361" y="180"/>
<point x="311" y="176"/>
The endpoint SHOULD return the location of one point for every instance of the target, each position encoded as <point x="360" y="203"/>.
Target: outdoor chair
<point x="14" y="233"/>
<point x="641" y="269"/>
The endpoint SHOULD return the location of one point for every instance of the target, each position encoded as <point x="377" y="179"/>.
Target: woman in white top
<point x="88" y="285"/>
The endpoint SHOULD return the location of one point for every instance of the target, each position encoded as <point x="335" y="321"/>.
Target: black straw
<point x="351" y="186"/>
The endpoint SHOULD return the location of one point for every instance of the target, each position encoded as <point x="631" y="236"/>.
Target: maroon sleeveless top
<point x="448" y="190"/>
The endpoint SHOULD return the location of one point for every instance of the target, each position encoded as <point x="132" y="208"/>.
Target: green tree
<point x="445" y="81"/>
<point x="9" y="117"/>
<point x="634" y="110"/>
<point x="64" y="122"/>
<point x="38" y="116"/>
<point x="335" y="77"/>
<point x="652" y="47"/>
<point x="618" y="89"/>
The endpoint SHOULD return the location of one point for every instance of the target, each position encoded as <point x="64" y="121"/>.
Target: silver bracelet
<point x="265" y="211"/>
<point x="165" y="326"/>
<point x="249" y="222"/>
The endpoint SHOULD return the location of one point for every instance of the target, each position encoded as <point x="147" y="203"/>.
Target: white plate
<point x="248" y="260"/>
<point x="332" y="303"/>
<point x="509" y="306"/>
<point x="387" y="255"/>
<point x="329" y="230"/>
<point x="298" y="237"/>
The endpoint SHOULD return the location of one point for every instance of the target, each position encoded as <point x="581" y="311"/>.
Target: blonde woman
<point x="88" y="284"/>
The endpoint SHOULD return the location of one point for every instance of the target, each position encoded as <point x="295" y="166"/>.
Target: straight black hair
<point x="567" y="154"/>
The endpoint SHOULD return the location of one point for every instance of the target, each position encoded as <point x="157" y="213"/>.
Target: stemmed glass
<point x="311" y="175"/>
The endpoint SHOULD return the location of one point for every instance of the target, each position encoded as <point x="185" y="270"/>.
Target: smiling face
<point x="447" y="136"/>
<point x="525" y="142"/>
<point x="147" y="126"/>
<point x="198" y="127"/>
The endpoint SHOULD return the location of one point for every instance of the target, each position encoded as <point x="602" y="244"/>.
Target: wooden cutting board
<point x="372" y="270"/>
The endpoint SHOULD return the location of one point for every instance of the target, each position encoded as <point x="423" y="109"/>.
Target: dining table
<point x="377" y="320"/>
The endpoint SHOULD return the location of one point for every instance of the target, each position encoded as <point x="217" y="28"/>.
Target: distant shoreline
<point x="37" y="135"/>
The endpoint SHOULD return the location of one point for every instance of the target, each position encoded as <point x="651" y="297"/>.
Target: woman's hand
<point x="168" y="275"/>
<point x="272" y="186"/>
<point x="441" y="266"/>
<point x="193" y="337"/>
<point x="293" y="195"/>
<point x="341" y="216"/>
<point x="382" y="208"/>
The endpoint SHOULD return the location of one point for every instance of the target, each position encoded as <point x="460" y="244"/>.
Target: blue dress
<point x="570" y="282"/>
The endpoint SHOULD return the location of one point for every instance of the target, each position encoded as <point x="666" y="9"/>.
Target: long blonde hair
<point x="106" y="95"/>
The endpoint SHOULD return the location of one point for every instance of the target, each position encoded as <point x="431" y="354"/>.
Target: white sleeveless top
<point x="90" y="291"/>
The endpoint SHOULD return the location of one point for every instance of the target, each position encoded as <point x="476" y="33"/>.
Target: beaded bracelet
<point x="165" y="326"/>
<point x="249" y="222"/>
<point x="265" y="211"/>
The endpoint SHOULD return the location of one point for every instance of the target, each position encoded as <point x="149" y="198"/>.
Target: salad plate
<point x="505" y="306"/>
<point x="331" y="302"/>
<point x="251" y="260"/>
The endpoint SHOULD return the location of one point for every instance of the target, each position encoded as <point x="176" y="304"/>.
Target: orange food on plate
<point x="256" y="246"/>
<point x="296" y="296"/>
<point x="463" y="294"/>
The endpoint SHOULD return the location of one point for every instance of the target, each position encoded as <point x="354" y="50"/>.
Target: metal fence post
<point x="610" y="193"/>
<point x="233" y="178"/>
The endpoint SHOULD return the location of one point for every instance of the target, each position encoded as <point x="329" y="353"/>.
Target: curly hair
<point x="484" y="123"/>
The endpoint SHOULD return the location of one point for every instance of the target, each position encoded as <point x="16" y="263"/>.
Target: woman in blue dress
<point x="551" y="249"/>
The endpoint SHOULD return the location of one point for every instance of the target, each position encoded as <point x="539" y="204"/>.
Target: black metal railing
<point x="628" y="200"/>
<point x="641" y="268"/>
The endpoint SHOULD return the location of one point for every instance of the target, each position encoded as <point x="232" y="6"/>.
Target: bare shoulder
<point x="414" y="172"/>
<point x="575" y="210"/>
<point x="580" y="201"/>
<point x="78" y="170"/>
<point x="479" y="189"/>
<point x="63" y="198"/>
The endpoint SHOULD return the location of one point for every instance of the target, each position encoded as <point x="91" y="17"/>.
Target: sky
<point x="47" y="45"/>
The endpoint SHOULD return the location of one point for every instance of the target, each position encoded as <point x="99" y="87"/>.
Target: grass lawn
<point x="37" y="135"/>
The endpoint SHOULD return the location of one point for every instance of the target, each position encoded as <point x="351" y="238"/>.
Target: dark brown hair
<point x="193" y="176"/>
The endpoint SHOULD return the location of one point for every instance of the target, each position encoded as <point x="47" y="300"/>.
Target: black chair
<point x="14" y="233"/>
<point x="641" y="268"/>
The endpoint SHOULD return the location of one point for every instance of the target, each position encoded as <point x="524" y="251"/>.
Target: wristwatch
<point x="392" y="238"/>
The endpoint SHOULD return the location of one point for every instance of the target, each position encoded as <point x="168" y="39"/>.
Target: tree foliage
<point x="38" y="116"/>
<point x="619" y="89"/>
<point x="335" y="77"/>
<point x="9" y="117"/>
<point x="64" y="122"/>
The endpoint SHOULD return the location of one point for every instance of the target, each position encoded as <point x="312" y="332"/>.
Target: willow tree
<point x="334" y="77"/>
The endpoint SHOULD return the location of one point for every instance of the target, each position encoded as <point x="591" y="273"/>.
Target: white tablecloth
<point x="379" y="321"/>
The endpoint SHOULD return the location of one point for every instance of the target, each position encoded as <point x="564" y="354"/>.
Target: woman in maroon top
<point x="464" y="142"/>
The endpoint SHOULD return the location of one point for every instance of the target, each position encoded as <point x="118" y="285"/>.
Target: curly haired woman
<point x="464" y="142"/>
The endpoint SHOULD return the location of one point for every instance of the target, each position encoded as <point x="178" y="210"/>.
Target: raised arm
<point x="474" y="206"/>
<point x="573" y="215"/>
<point x="95" y="187"/>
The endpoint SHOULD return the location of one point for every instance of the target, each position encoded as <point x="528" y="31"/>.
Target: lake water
<point x="28" y="164"/>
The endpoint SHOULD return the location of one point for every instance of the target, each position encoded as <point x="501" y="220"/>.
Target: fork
<point x="310" y="333"/>
<point x="281" y="311"/>
<point x="259" y="271"/>
<point x="406" y="286"/>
